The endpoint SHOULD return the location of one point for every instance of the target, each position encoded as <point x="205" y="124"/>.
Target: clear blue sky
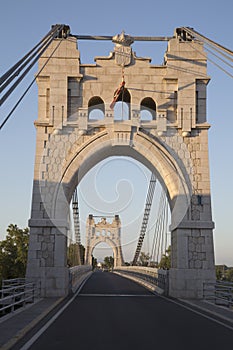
<point x="24" y="22"/>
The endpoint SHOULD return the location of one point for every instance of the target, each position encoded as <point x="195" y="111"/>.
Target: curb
<point x="202" y="308"/>
<point x="83" y="278"/>
<point x="145" y="284"/>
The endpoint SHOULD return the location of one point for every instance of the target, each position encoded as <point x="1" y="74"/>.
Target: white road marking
<point x="48" y="324"/>
<point x="27" y="345"/>
<point x="118" y="295"/>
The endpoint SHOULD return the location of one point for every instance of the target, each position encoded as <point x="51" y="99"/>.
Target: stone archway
<point x="174" y="147"/>
<point x="189" y="235"/>
<point x="107" y="232"/>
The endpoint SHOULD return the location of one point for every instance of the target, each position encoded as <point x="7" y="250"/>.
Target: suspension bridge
<point x="78" y="126"/>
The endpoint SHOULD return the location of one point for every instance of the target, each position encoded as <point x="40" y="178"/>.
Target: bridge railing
<point x="220" y="292"/>
<point x="77" y="274"/>
<point x="12" y="282"/>
<point x="154" y="276"/>
<point x="15" y="293"/>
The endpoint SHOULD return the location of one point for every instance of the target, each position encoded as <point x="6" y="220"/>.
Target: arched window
<point x="96" y="109"/>
<point x="148" y="109"/>
<point x="122" y="106"/>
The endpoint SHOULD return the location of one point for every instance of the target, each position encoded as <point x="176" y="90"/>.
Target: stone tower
<point x="172" y="142"/>
<point x="104" y="231"/>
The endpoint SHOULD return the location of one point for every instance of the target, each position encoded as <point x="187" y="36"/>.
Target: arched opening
<point x="122" y="106"/>
<point x="172" y="176"/>
<point x="102" y="251"/>
<point x="107" y="189"/>
<point x="148" y="109"/>
<point x="96" y="108"/>
<point x="174" y="173"/>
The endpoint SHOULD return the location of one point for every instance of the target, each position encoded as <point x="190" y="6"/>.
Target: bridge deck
<point x="112" y="312"/>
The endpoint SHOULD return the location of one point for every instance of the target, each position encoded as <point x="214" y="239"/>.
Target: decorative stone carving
<point x="123" y="51"/>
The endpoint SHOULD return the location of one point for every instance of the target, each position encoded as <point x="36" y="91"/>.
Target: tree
<point x="221" y="271"/>
<point x="75" y="254"/>
<point x="109" y="262"/>
<point x="144" y="259"/>
<point x="165" y="262"/>
<point x="13" y="252"/>
<point x="229" y="275"/>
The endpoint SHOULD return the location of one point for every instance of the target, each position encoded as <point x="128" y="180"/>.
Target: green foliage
<point x="13" y="253"/>
<point x="229" y="275"/>
<point x="109" y="262"/>
<point x="224" y="273"/>
<point x="165" y="262"/>
<point x="144" y="259"/>
<point x="75" y="254"/>
<point x="219" y="272"/>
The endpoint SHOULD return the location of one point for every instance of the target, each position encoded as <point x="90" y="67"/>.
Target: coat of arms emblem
<point x="122" y="50"/>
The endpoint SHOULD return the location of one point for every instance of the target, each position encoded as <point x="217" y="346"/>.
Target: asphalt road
<point x="114" y="313"/>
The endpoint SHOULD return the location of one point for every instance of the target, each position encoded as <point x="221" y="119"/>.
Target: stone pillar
<point x="192" y="260"/>
<point x="47" y="265"/>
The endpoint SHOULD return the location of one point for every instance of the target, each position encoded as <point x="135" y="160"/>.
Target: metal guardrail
<point x="220" y="293"/>
<point x="158" y="277"/>
<point x="15" y="293"/>
<point x="12" y="282"/>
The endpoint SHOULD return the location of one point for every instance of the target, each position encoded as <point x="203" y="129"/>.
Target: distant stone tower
<point x="104" y="231"/>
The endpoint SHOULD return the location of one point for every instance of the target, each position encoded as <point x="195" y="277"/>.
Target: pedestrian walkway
<point x="219" y="311"/>
<point x="15" y="325"/>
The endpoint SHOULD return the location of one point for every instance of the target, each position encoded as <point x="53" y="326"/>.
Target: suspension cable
<point x="29" y="86"/>
<point x="160" y="234"/>
<point x="147" y="209"/>
<point x="204" y="38"/>
<point x="76" y="217"/>
<point x="12" y="88"/>
<point x="156" y="233"/>
<point x="160" y="226"/>
<point x="5" y="76"/>
<point x="16" y="73"/>
<point x="77" y="242"/>
<point x="216" y="64"/>
<point x="220" y="52"/>
<point x="221" y="59"/>
<point x="220" y="49"/>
